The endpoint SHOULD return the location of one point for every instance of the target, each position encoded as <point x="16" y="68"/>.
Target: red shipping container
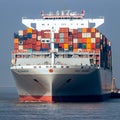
<point x="46" y="35"/>
<point x="37" y="48"/>
<point x="39" y="33"/>
<point x="38" y="43"/>
<point x="28" y="41"/>
<point x="34" y="36"/>
<point x="79" y="35"/>
<point x="57" y="40"/>
<point x="24" y="42"/>
<point x="25" y="46"/>
<point x="70" y="42"/>
<point x="79" y="40"/>
<point x="42" y="33"/>
<point x="65" y="35"/>
<point x="93" y="34"/>
<point x="75" y="45"/>
<point x="34" y="31"/>
<point x="88" y="29"/>
<point x="33" y="46"/>
<point x="46" y="31"/>
<point x="84" y="40"/>
<point x="56" y="35"/>
<point x="33" y="41"/>
<point x="66" y="40"/>
<point x="93" y="45"/>
<point x="24" y="32"/>
<point x="75" y="31"/>
<point x="16" y="46"/>
<point x="70" y="38"/>
<point x="63" y="30"/>
<point x="29" y="46"/>
<point x="61" y="45"/>
<point x="97" y="40"/>
<point x="75" y="35"/>
<point x="45" y="45"/>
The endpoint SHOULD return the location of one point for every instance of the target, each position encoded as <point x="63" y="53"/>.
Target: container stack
<point x="66" y="40"/>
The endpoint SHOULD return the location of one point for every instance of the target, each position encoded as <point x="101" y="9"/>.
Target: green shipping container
<point x="84" y="46"/>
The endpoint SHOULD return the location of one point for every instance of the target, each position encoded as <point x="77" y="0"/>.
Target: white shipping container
<point x="71" y="30"/>
<point x="97" y="35"/>
<point x="92" y="40"/>
<point x="38" y="37"/>
<point x="88" y="35"/>
<point x="75" y="40"/>
<point x="20" y="47"/>
<point x="84" y="35"/>
<point x="56" y="49"/>
<point x="101" y="36"/>
<point x="20" y="32"/>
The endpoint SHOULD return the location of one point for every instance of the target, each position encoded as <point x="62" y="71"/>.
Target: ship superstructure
<point x="62" y="58"/>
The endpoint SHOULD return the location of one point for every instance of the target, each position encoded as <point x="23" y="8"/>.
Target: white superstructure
<point x="64" y="20"/>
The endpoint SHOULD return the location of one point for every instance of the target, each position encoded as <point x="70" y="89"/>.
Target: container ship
<point x="62" y="57"/>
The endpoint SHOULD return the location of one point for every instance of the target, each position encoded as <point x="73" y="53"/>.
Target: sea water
<point x="12" y="109"/>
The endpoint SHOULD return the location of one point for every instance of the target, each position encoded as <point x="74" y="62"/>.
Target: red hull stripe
<point x="35" y="99"/>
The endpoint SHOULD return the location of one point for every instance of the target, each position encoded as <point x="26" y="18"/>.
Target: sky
<point x="12" y="11"/>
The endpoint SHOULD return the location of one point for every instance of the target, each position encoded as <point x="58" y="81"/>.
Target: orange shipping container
<point x="16" y="40"/>
<point x="75" y="50"/>
<point x="29" y="30"/>
<point x="84" y="29"/>
<point x="88" y="40"/>
<point x="93" y="29"/>
<point x="88" y="46"/>
<point x="65" y="46"/>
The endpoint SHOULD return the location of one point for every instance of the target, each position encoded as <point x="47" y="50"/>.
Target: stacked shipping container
<point x="75" y="40"/>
